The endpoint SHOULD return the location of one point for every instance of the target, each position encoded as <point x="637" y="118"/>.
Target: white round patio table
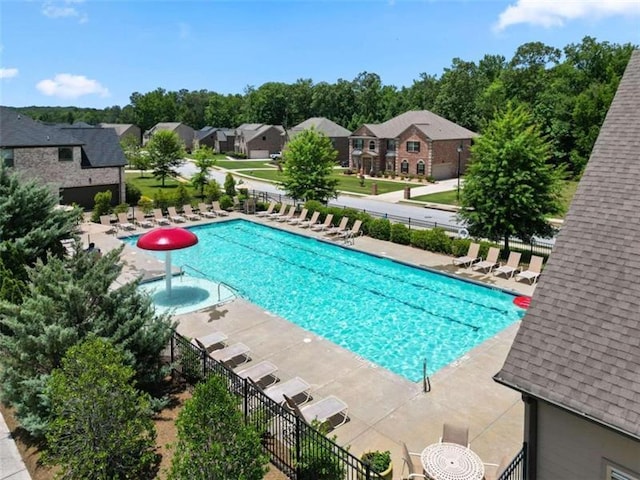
<point x="450" y="461"/>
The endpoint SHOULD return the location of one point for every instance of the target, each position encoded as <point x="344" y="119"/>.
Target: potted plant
<point x="380" y="462"/>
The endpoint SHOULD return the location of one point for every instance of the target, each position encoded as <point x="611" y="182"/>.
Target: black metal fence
<point x="299" y="450"/>
<point x="515" y="470"/>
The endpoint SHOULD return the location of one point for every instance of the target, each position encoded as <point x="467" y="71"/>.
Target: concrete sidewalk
<point x="11" y="464"/>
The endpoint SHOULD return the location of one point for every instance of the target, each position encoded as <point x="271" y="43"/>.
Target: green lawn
<point x="236" y="164"/>
<point x="149" y="185"/>
<point x="347" y="183"/>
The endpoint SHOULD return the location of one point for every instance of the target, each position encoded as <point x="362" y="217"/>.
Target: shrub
<point x="400" y="233"/>
<point x="181" y="196"/>
<point x="431" y="179"/>
<point x="460" y="246"/>
<point x="317" y="461"/>
<point x="419" y="239"/>
<point x="313" y="206"/>
<point x="102" y="205"/>
<point x="145" y="204"/>
<point x="229" y="185"/>
<point x="380" y="229"/>
<point x="377" y="460"/>
<point x="132" y="193"/>
<point x="160" y="200"/>
<point x="121" y="208"/>
<point x="438" y="241"/>
<point x="212" y="191"/>
<point x="226" y="202"/>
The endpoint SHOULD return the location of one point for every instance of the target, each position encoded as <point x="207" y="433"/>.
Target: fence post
<point x="245" y="395"/>
<point x="171" y="348"/>
<point x="298" y="447"/>
<point x="204" y="364"/>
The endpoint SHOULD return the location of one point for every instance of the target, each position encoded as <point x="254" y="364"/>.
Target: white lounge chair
<point x="511" y="267"/>
<point x="263" y="373"/>
<point x="138" y="219"/>
<point x="322" y="411"/>
<point x="296" y="389"/>
<point x="319" y="227"/>
<point x="532" y="273"/>
<point x="205" y="212"/>
<point x="212" y="341"/>
<point x="218" y="210"/>
<point x="275" y="215"/>
<point x="230" y="355"/>
<point x="490" y="262"/>
<point x="159" y="218"/>
<point x="472" y="256"/>
<point x="124" y="223"/>
<point x="350" y="233"/>
<point x="174" y="217"/>
<point x="105" y="220"/>
<point x="340" y="228"/>
<point x="268" y="211"/>
<point x="189" y="213"/>
<point x="288" y="216"/>
<point x="310" y="222"/>
<point x="299" y="218"/>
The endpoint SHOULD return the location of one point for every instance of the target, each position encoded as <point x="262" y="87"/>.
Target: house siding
<point x="132" y="131"/>
<point x="413" y="135"/>
<point x="186" y="133"/>
<point x="570" y="447"/>
<point x="272" y="141"/>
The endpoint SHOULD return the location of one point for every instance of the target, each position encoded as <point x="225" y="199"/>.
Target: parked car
<point x="276" y="156"/>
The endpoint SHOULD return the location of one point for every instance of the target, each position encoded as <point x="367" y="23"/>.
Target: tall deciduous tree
<point x="66" y="302"/>
<point x="213" y="440"/>
<point x="204" y="159"/>
<point x="101" y="426"/>
<point x="166" y="153"/>
<point x="137" y="157"/>
<point x="309" y="160"/>
<point x="510" y="187"/>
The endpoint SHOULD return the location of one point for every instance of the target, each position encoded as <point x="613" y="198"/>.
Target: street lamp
<point x="459" y="152"/>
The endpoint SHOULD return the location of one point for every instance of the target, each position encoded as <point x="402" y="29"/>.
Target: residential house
<point x="256" y="140"/>
<point x="576" y="356"/>
<point x="75" y="162"/>
<point x="125" y="130"/>
<point x="185" y="132"/>
<point x="225" y="140"/>
<point x="339" y="135"/>
<point x="416" y="143"/>
<point x="205" y="137"/>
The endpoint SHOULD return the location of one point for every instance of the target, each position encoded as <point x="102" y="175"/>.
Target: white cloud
<point x="553" y="13"/>
<point x="64" y="9"/>
<point x="65" y="85"/>
<point x="8" y="72"/>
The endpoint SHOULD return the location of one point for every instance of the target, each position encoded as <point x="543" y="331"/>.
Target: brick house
<point x="185" y="132"/>
<point x="256" y="140"/>
<point x="576" y="356"/>
<point x="417" y="143"/>
<point x="75" y="162"/>
<point x="124" y="130"/>
<point x="338" y="134"/>
<point x="219" y="139"/>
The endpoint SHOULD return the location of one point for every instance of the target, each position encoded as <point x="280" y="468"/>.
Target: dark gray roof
<point x="251" y="134"/>
<point x="101" y="147"/>
<point x="579" y="343"/>
<point x="205" y="132"/>
<point x="433" y="126"/>
<point x="17" y="130"/>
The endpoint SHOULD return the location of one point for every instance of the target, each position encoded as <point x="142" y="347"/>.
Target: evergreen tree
<point x="510" y="187"/>
<point x="101" y="426"/>
<point x="166" y="153"/>
<point x="229" y="185"/>
<point x="308" y="164"/>
<point x="67" y="301"/>
<point x="213" y="440"/>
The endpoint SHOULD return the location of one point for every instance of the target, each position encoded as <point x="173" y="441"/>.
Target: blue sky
<point x="97" y="53"/>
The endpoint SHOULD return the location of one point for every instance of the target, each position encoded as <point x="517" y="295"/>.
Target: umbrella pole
<point x="167" y="272"/>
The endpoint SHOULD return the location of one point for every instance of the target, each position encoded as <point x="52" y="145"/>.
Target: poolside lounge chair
<point x="319" y="227"/>
<point x="340" y="228"/>
<point x="212" y="341"/>
<point x="532" y="273"/>
<point x="322" y="411"/>
<point x="472" y="256"/>
<point x="312" y="221"/>
<point x="296" y="389"/>
<point x="174" y="217"/>
<point x="300" y="218"/>
<point x="159" y="218"/>
<point x="263" y="373"/>
<point x="494" y="474"/>
<point x="511" y="267"/>
<point x="138" y="219"/>
<point x="288" y="216"/>
<point x="407" y="463"/>
<point x="490" y="262"/>
<point x="455" y="434"/>
<point x="105" y="220"/>
<point x="350" y="233"/>
<point x="230" y="355"/>
<point x="275" y="215"/>
<point x="124" y="223"/>
<point x="205" y="212"/>
<point x="189" y="213"/>
<point x="268" y="211"/>
<point x="217" y="210"/>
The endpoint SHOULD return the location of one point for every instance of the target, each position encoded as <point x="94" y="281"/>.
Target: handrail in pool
<point x="233" y="290"/>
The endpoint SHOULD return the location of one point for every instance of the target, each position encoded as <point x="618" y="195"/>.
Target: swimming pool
<point x="386" y="312"/>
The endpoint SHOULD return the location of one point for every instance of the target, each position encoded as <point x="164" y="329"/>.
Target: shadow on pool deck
<point x="384" y="408"/>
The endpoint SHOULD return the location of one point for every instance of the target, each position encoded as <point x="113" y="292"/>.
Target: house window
<point x="65" y="154"/>
<point x="7" y="156"/>
<point x="391" y="145"/>
<point x="413" y="146"/>
<point x="372" y="145"/>
<point x="264" y="139"/>
<point x="420" y="167"/>
<point x="358" y="143"/>
<point x="404" y="166"/>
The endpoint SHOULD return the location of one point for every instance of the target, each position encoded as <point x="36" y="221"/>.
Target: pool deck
<point x="384" y="408"/>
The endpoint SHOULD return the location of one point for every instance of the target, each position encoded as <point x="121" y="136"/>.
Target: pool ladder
<point x="236" y="293"/>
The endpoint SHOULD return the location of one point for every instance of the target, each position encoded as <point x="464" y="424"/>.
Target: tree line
<point x="568" y="91"/>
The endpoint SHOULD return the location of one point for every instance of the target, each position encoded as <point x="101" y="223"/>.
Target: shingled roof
<point x="17" y="130"/>
<point x="324" y="125"/>
<point x="578" y="346"/>
<point x="101" y="147"/>
<point x="433" y="126"/>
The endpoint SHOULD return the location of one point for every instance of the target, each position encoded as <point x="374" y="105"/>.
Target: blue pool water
<point x="386" y="312"/>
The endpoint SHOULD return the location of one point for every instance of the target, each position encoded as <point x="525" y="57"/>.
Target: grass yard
<point x="149" y="185"/>
<point x="238" y="164"/>
<point x="347" y="183"/>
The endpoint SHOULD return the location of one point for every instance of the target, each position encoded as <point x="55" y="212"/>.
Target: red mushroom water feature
<point x="167" y="239"/>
